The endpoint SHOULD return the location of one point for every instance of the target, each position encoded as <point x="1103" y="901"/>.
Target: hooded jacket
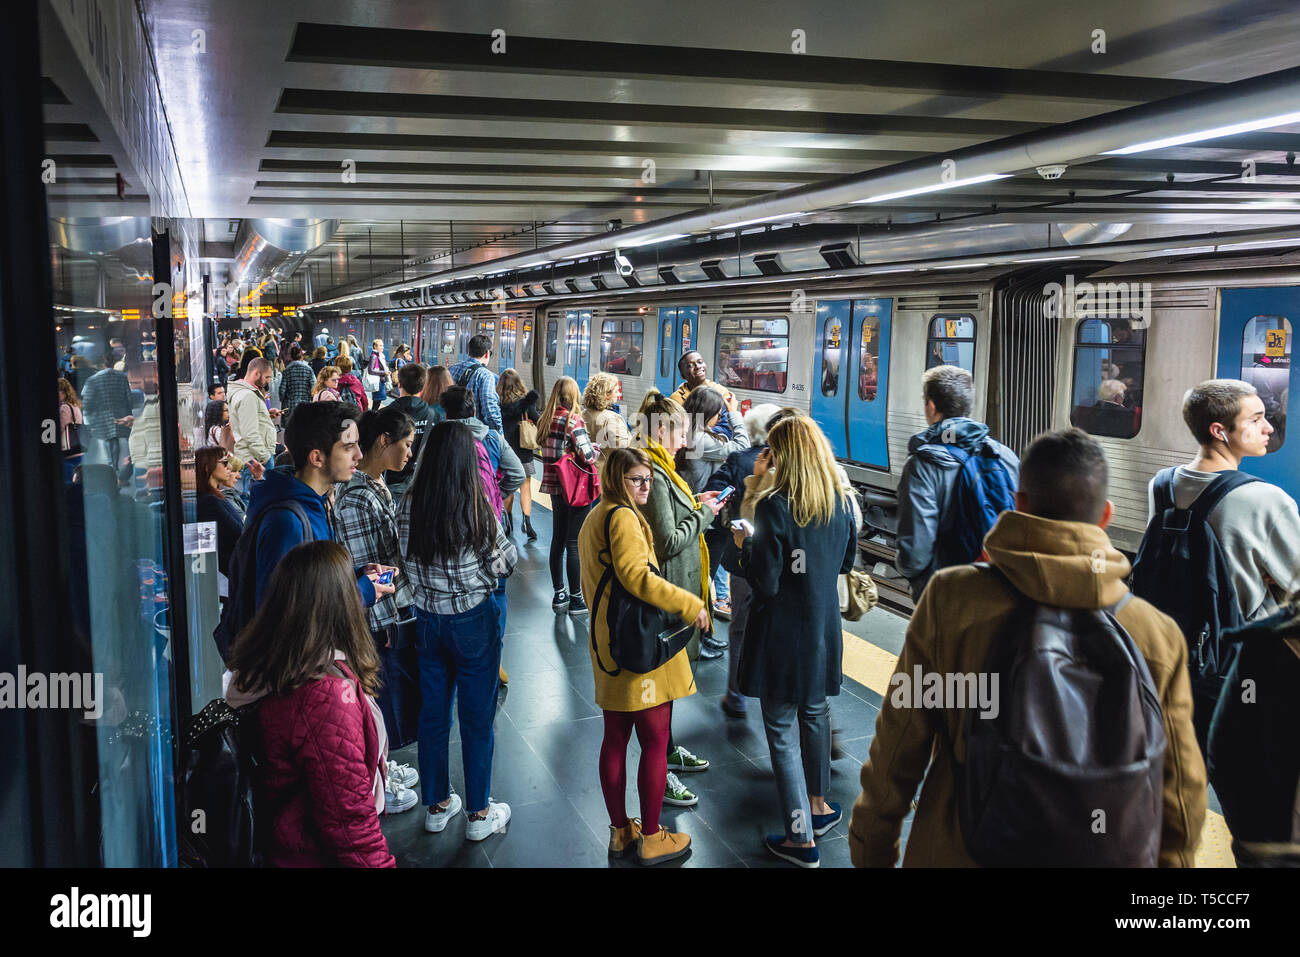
<point x="1061" y="564"/>
<point x="282" y="530"/>
<point x="925" y="488"/>
<point x="251" y="422"/>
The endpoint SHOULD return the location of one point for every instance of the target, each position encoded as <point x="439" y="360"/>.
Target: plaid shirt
<point x="458" y="586"/>
<point x="295" y="385"/>
<point x="568" y="433"/>
<point x="365" y="521"/>
<point x="487" y="404"/>
<point x="106" y="398"/>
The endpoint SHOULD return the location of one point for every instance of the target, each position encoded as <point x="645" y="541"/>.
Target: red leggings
<point x="652" y="774"/>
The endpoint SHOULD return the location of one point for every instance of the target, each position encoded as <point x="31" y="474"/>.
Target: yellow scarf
<point x="660" y="457"/>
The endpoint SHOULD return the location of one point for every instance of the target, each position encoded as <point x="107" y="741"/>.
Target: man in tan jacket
<point x="695" y="372"/>
<point x="1054" y="551"/>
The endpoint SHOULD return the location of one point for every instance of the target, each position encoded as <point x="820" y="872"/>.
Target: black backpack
<point x="1079" y="730"/>
<point x="239" y="608"/>
<point x="1182" y="570"/>
<point x="221" y="783"/>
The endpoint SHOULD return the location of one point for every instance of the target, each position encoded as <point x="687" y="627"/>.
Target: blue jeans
<point x="458" y="654"/>
<point x="499" y="596"/>
<point x="380" y="394"/>
<point x="799" y="741"/>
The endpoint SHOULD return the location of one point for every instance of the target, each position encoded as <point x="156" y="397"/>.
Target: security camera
<point x="614" y="225"/>
<point x="623" y="263"/>
<point x="1055" y="171"/>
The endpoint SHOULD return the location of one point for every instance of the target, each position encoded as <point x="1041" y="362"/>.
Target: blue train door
<point x="1256" y="329"/>
<point x="506" y="360"/>
<point x="867" y="384"/>
<point x="584" y="349"/>
<point x="828" y="404"/>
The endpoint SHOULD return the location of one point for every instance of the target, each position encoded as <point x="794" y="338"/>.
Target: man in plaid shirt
<point x="474" y="375"/>
<point x="296" y="382"/>
<point x="106" y="407"/>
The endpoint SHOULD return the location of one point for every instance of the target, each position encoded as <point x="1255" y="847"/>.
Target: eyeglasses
<point x="640" y="481"/>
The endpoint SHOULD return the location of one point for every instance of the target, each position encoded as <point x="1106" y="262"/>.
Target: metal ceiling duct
<point x="123" y="245"/>
<point x="1079" y="234"/>
<point x="271" y="250"/>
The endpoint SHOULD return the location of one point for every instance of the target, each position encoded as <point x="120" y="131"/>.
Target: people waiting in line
<point x="616" y="535"/>
<point x="252" y="423"/>
<point x="309" y="658"/>
<point x="365" y="521"/>
<point x="472" y="373"/>
<point x="350" y="389"/>
<point x="410" y="383"/>
<point x="607" y="428"/>
<point x="438" y="380"/>
<point x="1255" y="524"/>
<point x="677" y="520"/>
<point x="517" y="404"/>
<point x="933" y="522"/>
<point x="1053" y="551"/>
<point x="297" y="381"/>
<point x="803" y="540"/>
<point x="455" y="553"/>
<point x="326" y="388"/>
<point x="561" y="432"/>
<point x="217" y="391"/>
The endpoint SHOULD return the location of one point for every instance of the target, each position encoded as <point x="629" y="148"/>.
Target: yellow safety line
<point x="870" y="665"/>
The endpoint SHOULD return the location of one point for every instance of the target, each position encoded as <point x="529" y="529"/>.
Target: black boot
<point x="528" y="529"/>
<point x="508" y="523"/>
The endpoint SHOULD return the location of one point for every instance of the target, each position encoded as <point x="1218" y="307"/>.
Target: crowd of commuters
<point x="375" y="558"/>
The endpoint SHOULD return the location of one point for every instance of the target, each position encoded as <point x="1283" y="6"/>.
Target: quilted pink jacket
<point x="322" y="751"/>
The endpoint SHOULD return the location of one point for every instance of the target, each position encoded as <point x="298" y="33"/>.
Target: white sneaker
<point x="398" y="799"/>
<point x="402" y="774"/>
<point x="434" y="822"/>
<point x="498" y="816"/>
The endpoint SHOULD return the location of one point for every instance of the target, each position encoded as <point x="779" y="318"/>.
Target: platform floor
<point x="548" y="733"/>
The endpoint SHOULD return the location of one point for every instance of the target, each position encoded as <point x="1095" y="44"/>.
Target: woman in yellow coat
<point x="640" y="701"/>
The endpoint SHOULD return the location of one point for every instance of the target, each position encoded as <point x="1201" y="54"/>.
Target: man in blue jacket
<point x="322" y="437"/>
<point x="925" y="488"/>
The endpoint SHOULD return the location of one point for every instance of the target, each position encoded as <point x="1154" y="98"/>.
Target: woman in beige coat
<point x="616" y="533"/>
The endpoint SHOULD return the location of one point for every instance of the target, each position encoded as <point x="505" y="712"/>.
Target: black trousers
<point x="567" y="522"/>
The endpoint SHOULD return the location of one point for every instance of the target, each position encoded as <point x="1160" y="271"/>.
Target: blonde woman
<point x="608" y="429"/>
<point x="616" y="535"/>
<point x="326" y="388"/>
<point x="561" y="430"/>
<point x="803" y="540"/>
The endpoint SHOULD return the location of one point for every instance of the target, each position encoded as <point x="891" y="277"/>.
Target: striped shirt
<point x="365" y="521"/>
<point x="460" y="585"/>
<point x="105" y="399"/>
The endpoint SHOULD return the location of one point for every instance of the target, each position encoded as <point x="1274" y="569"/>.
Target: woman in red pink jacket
<point x="308" y="655"/>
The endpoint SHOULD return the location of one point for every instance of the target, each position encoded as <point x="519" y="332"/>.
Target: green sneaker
<point x="676" y="794"/>
<point x="679" y="759"/>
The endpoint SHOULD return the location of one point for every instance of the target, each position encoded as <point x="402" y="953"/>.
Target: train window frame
<point x="584" y="342"/>
<point x="1279" y="423"/>
<point x="635" y="332"/>
<point x="1081" y="348"/>
<point x="719" y="333"/>
<point x="666" y="331"/>
<point x="552" y="341"/>
<point x="826" y="352"/>
<point x="931" y="339"/>
<point x="526" y="351"/>
<point x="870" y="321"/>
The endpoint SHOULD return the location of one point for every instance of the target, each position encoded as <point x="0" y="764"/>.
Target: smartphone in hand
<point x="725" y="494"/>
<point x="386" y="578"/>
<point x="742" y="525"/>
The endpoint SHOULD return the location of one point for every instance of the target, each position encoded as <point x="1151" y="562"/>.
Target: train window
<point x="527" y="354"/>
<point x="666" y="342"/>
<point x="448" y="357"/>
<point x="488" y="328"/>
<point x="831" y="332"/>
<point x="571" y="345"/>
<point x="584" y="344"/>
<point x="620" y="346"/>
<point x="869" y="359"/>
<point x="1266" y="364"/>
<point x="951" y="342"/>
<point x="552" y="341"/>
<point x="1109" y="371"/>
<point x="753" y="354"/>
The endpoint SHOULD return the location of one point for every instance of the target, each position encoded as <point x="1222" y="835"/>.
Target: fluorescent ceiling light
<point x="1044" y="259"/>
<point x="1232" y="130"/>
<point x="934" y="187"/>
<point x="762" y="219"/>
<point x="653" y="240"/>
<point x="1261" y="242"/>
<point x="961" y="266"/>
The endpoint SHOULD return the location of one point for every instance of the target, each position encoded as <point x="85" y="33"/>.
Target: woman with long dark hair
<point x="308" y="655"/>
<point x="455" y="553"/>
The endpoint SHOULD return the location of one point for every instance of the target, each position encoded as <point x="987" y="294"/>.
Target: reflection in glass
<point x="1109" y="373"/>
<point x="1266" y="364"/>
<point x="951" y="342"/>
<point x="753" y="354"/>
<point x="620" y="346"/>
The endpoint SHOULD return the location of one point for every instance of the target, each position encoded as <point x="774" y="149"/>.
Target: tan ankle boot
<point x="621" y="839"/>
<point x="505" y="678"/>
<point x="662" y="845"/>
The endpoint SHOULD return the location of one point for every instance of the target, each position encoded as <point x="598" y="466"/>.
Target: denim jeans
<point x="399" y="695"/>
<point x="799" y="741"/>
<point x="460" y="655"/>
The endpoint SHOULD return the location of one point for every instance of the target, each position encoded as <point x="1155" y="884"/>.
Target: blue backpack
<point x="982" y="491"/>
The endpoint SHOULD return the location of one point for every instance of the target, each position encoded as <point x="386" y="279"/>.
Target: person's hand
<point x="730" y="401"/>
<point x="127" y="420"/>
<point x="373" y="571"/>
<point x="276" y="413"/>
<point x="702" y="620"/>
<point x="738" y="536"/>
<point x="710" y="501"/>
<point x="257" y="469"/>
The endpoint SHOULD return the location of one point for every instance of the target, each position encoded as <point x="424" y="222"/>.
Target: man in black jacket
<point x="410" y="383"/>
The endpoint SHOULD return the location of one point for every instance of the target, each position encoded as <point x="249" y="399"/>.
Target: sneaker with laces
<point x="722" y="609"/>
<point x="679" y="759"/>
<point x="436" y="817"/>
<point x="623" y="839"/>
<point x="496" y="819"/>
<point x="560" y="601"/>
<point x="577" y="607"/>
<point x="662" y="845"/>
<point x="677" y="794"/>
<point x="398" y="799"/>
<point x="402" y="774"/>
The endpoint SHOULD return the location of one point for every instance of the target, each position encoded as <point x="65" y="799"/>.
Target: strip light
<point x="934" y="188"/>
<point x="1244" y="127"/>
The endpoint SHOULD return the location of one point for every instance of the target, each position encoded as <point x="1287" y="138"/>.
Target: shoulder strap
<point x="1164" y="490"/>
<point x="1211" y="496"/>
<point x="606" y="580"/>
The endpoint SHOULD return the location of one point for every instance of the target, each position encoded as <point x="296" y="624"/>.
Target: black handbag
<point x="641" y="636"/>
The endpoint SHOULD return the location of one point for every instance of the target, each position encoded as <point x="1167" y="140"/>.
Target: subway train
<point x="1109" y="347"/>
